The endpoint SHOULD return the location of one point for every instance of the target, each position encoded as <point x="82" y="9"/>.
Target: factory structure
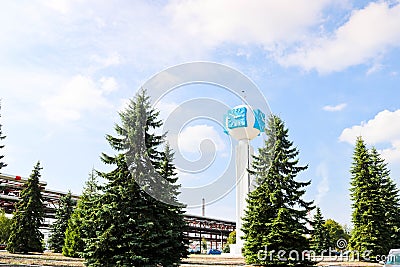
<point x="199" y="228"/>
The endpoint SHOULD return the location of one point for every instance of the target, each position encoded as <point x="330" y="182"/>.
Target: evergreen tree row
<point x="135" y="219"/>
<point x="276" y="215"/>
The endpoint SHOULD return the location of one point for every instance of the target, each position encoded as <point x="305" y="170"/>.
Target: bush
<point x="5" y="228"/>
<point x="226" y="249"/>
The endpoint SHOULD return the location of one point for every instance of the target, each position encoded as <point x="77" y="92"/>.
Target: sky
<point x="330" y="69"/>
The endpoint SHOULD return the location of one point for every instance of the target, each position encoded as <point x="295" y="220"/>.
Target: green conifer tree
<point x="80" y="225"/>
<point x="58" y="228"/>
<point x="25" y="234"/>
<point x="388" y="196"/>
<point x="361" y="184"/>
<point x="320" y="235"/>
<point x="2" y="137"/>
<point x="375" y="203"/>
<point x="133" y="228"/>
<point x="276" y="214"/>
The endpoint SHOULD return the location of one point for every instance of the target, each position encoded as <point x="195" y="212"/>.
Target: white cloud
<point x="245" y="22"/>
<point x="192" y="30"/>
<point x="392" y="154"/>
<point x="190" y="138"/>
<point x="382" y="129"/>
<point x="367" y="35"/>
<point x="93" y="34"/>
<point x="79" y="94"/>
<point x="338" y="107"/>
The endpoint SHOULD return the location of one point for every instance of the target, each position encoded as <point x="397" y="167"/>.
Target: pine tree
<point x="134" y="228"/>
<point x="371" y="189"/>
<point x="80" y="225"/>
<point x="276" y="215"/>
<point x="58" y="228"/>
<point x="320" y="235"/>
<point x="25" y="234"/>
<point x="2" y="137"/>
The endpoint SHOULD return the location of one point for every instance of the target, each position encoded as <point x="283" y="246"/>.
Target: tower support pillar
<point x="244" y="152"/>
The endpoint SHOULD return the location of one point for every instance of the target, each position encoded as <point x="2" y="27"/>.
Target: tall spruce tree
<point x="80" y="225"/>
<point x="276" y="215"/>
<point x="25" y="234"/>
<point x="389" y="199"/>
<point x="2" y="137"/>
<point x="360" y="183"/>
<point x="375" y="203"/>
<point x="133" y="227"/>
<point x="320" y="236"/>
<point x="59" y="227"/>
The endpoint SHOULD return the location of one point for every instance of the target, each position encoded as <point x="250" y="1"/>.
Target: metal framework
<point x="214" y="231"/>
<point x="10" y="190"/>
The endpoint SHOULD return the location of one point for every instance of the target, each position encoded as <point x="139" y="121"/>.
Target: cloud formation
<point x="338" y="107"/>
<point x="367" y="35"/>
<point x="193" y="30"/>
<point x="383" y="128"/>
<point x="246" y="22"/>
<point x="79" y="94"/>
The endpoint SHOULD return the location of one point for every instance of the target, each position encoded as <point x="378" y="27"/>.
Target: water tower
<point x="244" y="124"/>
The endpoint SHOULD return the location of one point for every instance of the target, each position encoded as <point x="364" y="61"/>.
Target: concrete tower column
<point x="244" y="152"/>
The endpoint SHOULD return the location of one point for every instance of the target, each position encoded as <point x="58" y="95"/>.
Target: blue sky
<point x="329" y="68"/>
